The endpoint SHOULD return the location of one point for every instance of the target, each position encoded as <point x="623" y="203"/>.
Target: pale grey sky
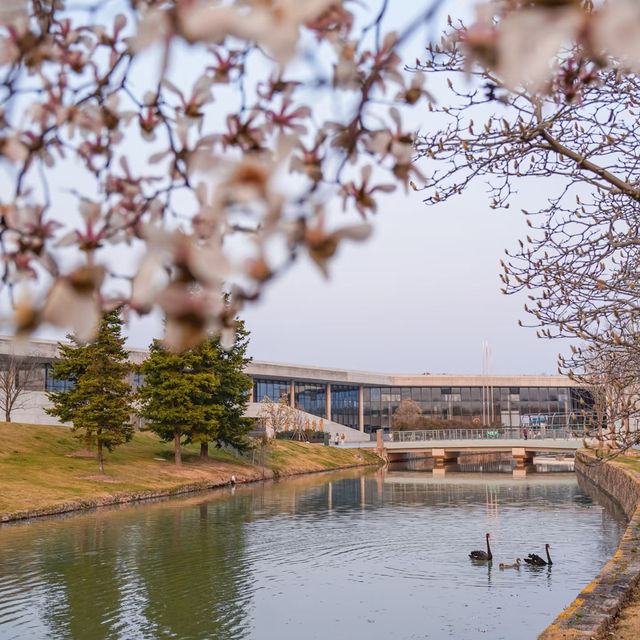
<point x="421" y="295"/>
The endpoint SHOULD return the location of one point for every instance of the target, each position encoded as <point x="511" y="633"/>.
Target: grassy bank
<point x="630" y="459"/>
<point x="43" y="468"/>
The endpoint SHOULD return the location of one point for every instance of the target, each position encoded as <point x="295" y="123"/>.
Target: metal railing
<point x="487" y="433"/>
<point x="577" y="420"/>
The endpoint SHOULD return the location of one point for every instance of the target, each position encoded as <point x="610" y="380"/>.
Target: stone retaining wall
<point x="589" y="615"/>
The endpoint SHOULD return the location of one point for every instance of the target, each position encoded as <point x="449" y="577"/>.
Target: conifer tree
<point x="98" y="397"/>
<point x="231" y="395"/>
<point x="175" y="394"/>
<point x="199" y="395"/>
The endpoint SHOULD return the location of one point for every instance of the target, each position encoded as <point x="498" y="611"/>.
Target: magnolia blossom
<point x="185" y="128"/>
<point x="362" y="194"/>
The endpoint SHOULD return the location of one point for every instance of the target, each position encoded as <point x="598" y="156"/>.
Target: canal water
<point x="358" y="554"/>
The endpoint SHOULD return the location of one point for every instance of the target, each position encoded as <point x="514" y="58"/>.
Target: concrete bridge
<point x="447" y="445"/>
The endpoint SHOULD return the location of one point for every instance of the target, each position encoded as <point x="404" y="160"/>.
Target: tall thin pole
<point x="482" y="378"/>
<point x="489" y="372"/>
<point x="484" y="386"/>
<point x="488" y="409"/>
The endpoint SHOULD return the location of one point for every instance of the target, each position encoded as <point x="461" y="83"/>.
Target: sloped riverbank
<point x="594" y="611"/>
<point x="43" y="472"/>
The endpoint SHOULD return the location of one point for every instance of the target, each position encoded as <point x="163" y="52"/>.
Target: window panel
<point x="51" y="384"/>
<point x="345" y="405"/>
<point x="311" y="397"/>
<point x="275" y="389"/>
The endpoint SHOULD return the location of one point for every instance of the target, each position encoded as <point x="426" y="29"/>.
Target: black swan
<point x="535" y="560"/>
<point x="482" y="555"/>
<point x="515" y="565"/>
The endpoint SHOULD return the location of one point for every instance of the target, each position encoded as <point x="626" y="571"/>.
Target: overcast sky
<point x="419" y="296"/>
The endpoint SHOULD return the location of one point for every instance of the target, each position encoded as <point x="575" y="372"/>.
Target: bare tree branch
<point x="17" y="375"/>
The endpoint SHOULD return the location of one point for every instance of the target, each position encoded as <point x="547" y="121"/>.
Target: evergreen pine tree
<point x="199" y="395"/>
<point x="231" y="395"/>
<point x="174" y="394"/>
<point x="98" y="398"/>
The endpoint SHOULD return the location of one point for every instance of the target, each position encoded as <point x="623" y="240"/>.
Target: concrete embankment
<point x="590" y="614"/>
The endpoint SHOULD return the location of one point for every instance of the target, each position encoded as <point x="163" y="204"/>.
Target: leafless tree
<point x="275" y="416"/>
<point x="17" y="374"/>
<point x="547" y="93"/>
<point x="610" y="377"/>
<point x="298" y="424"/>
<point x="407" y="416"/>
<point x="571" y="129"/>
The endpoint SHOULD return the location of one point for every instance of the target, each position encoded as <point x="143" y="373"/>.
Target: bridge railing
<point x="577" y="420"/>
<point x="487" y="433"/>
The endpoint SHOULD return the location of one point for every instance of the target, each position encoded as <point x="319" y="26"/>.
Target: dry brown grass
<point x="286" y="457"/>
<point x="43" y="466"/>
<point x="627" y="625"/>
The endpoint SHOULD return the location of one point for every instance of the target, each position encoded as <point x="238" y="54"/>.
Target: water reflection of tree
<point x="595" y="494"/>
<point x="455" y="494"/>
<point x="349" y="493"/>
<point x="81" y="583"/>
<point x="186" y="568"/>
<point x="194" y="571"/>
<point x="174" y="571"/>
<point x="339" y="491"/>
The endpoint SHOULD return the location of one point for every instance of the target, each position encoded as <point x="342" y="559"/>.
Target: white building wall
<point x="32" y="409"/>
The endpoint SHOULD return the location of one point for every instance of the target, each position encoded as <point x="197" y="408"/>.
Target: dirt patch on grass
<point x="100" y="478"/>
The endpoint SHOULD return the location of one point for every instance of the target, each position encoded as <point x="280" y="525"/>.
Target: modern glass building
<point x="367" y="401"/>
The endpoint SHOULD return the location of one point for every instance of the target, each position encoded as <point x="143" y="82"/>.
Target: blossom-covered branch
<point x="195" y="136"/>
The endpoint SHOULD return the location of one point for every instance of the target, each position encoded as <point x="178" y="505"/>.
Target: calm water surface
<point x="350" y="555"/>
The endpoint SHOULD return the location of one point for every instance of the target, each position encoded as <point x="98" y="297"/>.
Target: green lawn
<point x="631" y="460"/>
<point x="43" y="466"/>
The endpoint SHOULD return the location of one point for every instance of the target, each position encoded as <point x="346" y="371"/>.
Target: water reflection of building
<point x="493" y="490"/>
<point x="367" y="401"/>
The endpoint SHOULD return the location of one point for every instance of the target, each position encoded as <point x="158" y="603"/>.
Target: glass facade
<point x="51" y="384"/>
<point x="510" y="406"/>
<point x="312" y="398"/>
<point x="465" y="403"/>
<point x="344" y="404"/>
<point x="275" y="389"/>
